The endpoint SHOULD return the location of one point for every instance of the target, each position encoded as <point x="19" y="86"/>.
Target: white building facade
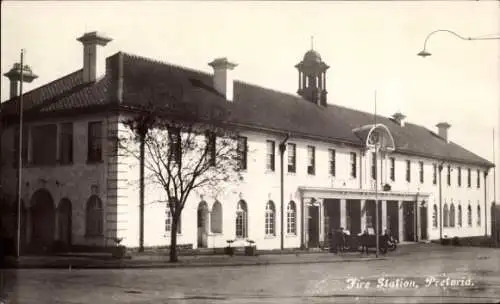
<point x="78" y="189"/>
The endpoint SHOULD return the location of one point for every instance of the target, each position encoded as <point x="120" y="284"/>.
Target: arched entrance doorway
<point x="202" y="225"/>
<point x="43" y="220"/>
<point x="64" y="221"/>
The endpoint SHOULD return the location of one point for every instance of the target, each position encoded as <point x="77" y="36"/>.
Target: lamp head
<point x="424" y="53"/>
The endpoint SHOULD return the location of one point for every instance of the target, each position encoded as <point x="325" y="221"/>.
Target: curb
<point x="185" y="265"/>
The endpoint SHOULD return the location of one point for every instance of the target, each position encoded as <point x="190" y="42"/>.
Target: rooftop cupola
<point x="312" y="77"/>
<point x="14" y="76"/>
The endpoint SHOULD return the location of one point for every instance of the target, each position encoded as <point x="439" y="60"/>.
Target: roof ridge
<point x="43" y="86"/>
<point x="152" y="60"/>
<point x="165" y="63"/>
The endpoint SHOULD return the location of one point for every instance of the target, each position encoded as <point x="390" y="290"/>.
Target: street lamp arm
<point x="424" y="52"/>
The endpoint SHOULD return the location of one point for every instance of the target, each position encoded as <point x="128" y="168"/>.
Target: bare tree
<point x="183" y="148"/>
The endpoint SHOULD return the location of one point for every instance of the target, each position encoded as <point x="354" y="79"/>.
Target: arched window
<point x="445" y="215"/>
<point x="459" y="215"/>
<point x="435" y="216"/>
<point x="94" y="217"/>
<point x="478" y="215"/>
<point x="469" y="215"/>
<point x="291" y="215"/>
<point x="452" y="215"/>
<point x="269" y="225"/>
<point x="241" y="220"/>
<point x="216" y="218"/>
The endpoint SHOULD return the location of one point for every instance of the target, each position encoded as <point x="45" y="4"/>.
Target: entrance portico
<point x="324" y="209"/>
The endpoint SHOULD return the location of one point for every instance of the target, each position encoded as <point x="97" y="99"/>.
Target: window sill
<point x="215" y="234"/>
<point x="33" y="165"/>
<point x="291" y="235"/>
<point x="268" y="237"/>
<point x="93" y="236"/>
<point x="167" y="235"/>
<point x="94" y="162"/>
<point x="291" y="173"/>
<point x="269" y="171"/>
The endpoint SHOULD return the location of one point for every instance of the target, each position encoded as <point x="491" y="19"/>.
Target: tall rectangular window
<point x="469" y="179"/>
<point x="174" y="145"/>
<point x="311" y="160"/>
<point x="270" y="155"/>
<point x="393" y="169"/>
<point x="448" y="177"/>
<point x="421" y="171"/>
<point x="434" y="174"/>
<point x="408" y="171"/>
<point x="242" y="152"/>
<point x="66" y="143"/>
<point x="211" y="148"/>
<point x="459" y="177"/>
<point x="292" y="158"/>
<point x="44" y="144"/>
<point x="374" y="165"/>
<point x="353" y="164"/>
<point x="94" y="152"/>
<point x="169" y="221"/>
<point x="332" y="155"/>
<point x="478" y="179"/>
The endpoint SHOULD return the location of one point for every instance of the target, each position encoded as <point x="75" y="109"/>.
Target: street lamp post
<point x="19" y="73"/>
<point x="424" y="53"/>
<point x="282" y="148"/>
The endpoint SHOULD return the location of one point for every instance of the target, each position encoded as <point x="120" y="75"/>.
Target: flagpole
<point x="494" y="190"/>
<point x="494" y="170"/>
<point x="20" y="160"/>
<point x="376" y="180"/>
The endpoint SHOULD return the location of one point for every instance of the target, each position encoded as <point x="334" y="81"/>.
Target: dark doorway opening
<point x="393" y="219"/>
<point x="65" y="223"/>
<point x="313" y="226"/>
<point x="353" y="216"/>
<point x="202" y="225"/>
<point x="423" y="222"/>
<point x="409" y="221"/>
<point x="370" y="215"/>
<point x="43" y="219"/>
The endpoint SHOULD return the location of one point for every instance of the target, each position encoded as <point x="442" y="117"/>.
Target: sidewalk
<point x="161" y="261"/>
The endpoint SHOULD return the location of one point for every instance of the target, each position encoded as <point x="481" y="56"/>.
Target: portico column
<point x="343" y="213"/>
<point x="384" y="216"/>
<point x="363" y="215"/>
<point x="305" y="217"/>
<point x="400" y="221"/>
<point x="321" y="220"/>
<point x="419" y="221"/>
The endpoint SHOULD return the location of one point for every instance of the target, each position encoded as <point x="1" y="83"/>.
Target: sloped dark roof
<point x="146" y="81"/>
<point x="66" y="93"/>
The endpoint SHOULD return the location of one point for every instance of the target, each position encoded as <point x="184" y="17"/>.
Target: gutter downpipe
<point x="282" y="148"/>
<point x="440" y="168"/>
<point x="485" y="204"/>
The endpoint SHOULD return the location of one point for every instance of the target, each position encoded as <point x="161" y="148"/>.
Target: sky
<point x="369" y="46"/>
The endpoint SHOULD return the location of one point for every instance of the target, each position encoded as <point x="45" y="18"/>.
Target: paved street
<point x="475" y="271"/>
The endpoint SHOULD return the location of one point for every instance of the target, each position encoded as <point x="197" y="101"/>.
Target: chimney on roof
<point x="91" y="68"/>
<point x="443" y="130"/>
<point x="399" y="118"/>
<point x="223" y="80"/>
<point x="14" y="76"/>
